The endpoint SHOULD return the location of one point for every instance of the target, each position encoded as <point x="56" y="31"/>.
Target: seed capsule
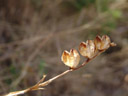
<point x="71" y="58"/>
<point x="87" y="49"/>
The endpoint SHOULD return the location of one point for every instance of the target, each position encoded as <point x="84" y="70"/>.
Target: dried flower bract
<point x="71" y="58"/>
<point x="91" y="48"/>
<point x="87" y="49"/>
<point x="103" y="43"/>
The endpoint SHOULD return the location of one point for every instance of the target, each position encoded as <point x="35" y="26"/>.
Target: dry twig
<point x="90" y="50"/>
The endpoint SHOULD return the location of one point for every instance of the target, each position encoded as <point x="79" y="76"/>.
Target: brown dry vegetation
<point x="33" y="34"/>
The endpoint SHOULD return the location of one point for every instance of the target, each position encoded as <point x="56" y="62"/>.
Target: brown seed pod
<point x="87" y="49"/>
<point x="71" y="58"/>
<point x="103" y="43"/>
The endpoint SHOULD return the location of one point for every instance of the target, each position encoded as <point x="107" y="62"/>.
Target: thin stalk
<point x="43" y="84"/>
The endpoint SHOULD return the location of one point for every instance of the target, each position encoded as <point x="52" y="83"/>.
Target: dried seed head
<point x="87" y="49"/>
<point x="71" y="58"/>
<point x="103" y="43"/>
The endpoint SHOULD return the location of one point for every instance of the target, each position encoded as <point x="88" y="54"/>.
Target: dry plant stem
<point x="38" y="86"/>
<point x="88" y="60"/>
<point x="17" y="93"/>
<point x="54" y="78"/>
<point x="43" y="84"/>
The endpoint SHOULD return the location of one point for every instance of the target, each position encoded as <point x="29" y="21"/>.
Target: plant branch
<point x="41" y="84"/>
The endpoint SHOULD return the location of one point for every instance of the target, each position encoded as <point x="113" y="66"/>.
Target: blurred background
<point x="34" y="33"/>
